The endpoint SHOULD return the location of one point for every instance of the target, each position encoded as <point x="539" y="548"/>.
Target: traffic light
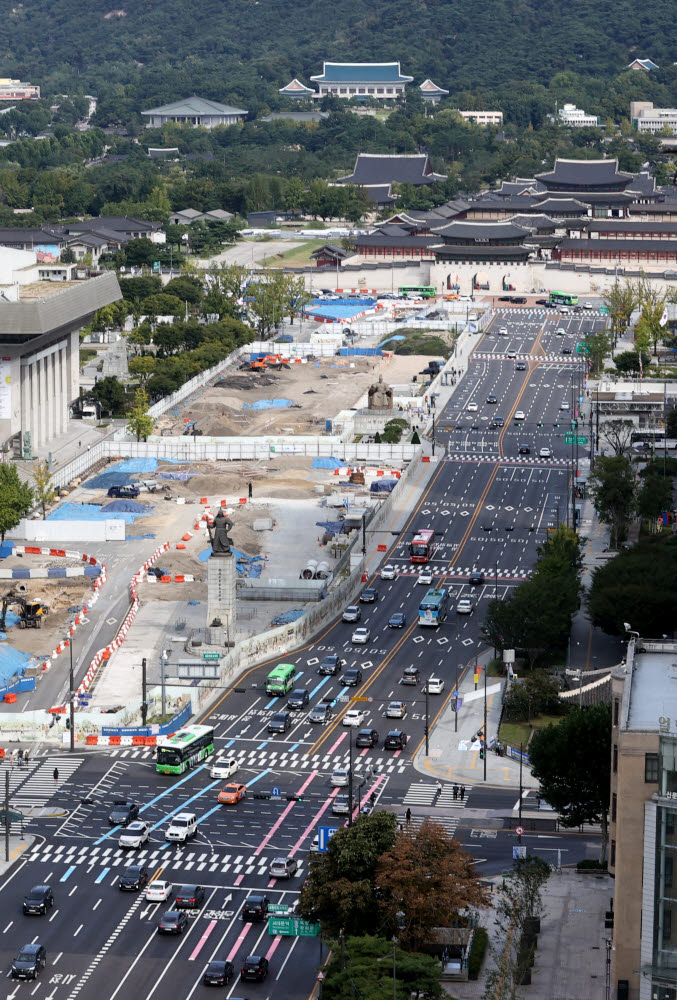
<point x="555" y="425"/>
<point x="540" y="423"/>
<point x="482" y="752"/>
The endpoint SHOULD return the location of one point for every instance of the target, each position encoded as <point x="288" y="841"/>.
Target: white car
<point x="396" y="710"/>
<point x="588" y="305"/>
<point x="564" y="405"/>
<point x="223" y="768"/>
<point x="354" y="717"/>
<point x="389" y="573"/>
<point x="434" y="685"/>
<point x="340" y="777"/>
<point x="361" y="636"/>
<point x="425" y="577"/>
<point x="134" y="835"/>
<point x="563" y="309"/>
<point x="560" y="331"/>
<point x="520" y="415"/>
<point x="545" y="453"/>
<point x="472" y="407"/>
<point x="158" y="891"/>
<point x="503" y="332"/>
<point x="465" y="607"/>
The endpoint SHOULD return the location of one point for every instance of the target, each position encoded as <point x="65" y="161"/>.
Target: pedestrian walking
<point x="462" y="792"/>
<point x="439" y="788"/>
<point x="408" y="816"/>
<point x="455" y="792"/>
<point x="251" y="490"/>
<point x="56" y="775"/>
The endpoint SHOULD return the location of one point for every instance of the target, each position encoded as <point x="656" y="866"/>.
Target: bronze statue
<point x="380" y="395"/>
<point x="218" y="535"/>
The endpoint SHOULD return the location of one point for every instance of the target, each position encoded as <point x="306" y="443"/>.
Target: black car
<point x="491" y="398"/>
<point x="369" y="595"/>
<point x="255" y="908"/>
<point x="566" y="350"/>
<point x="255" y="967"/>
<point x="331" y="665"/>
<point x="29" y="962"/>
<point x="541" y="302"/>
<point x="505" y="298"/>
<point x="476" y="577"/>
<point x="189" y="897"/>
<point x="172" y="922"/>
<point x="124" y="492"/>
<point x="395" y="740"/>
<point x="519" y="300"/>
<point x="524" y="449"/>
<point x="352" y="677"/>
<point x="39" y="899"/>
<point x="298" y="698"/>
<point x="123" y="812"/>
<point x="521" y="366"/>
<point x="218" y="973"/>
<point x="497" y="422"/>
<point x="411" y="675"/>
<point x="366" y="738"/>
<point x="398" y="620"/>
<point x="133" y="878"/>
<point x="279" y="723"/>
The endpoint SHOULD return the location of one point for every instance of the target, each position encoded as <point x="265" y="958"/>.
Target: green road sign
<point x="211" y="656"/>
<point x="575" y="439"/>
<point x="278" y="908"/>
<point x="293" y="926"/>
<point x="156" y="265"/>
<point x="582" y="349"/>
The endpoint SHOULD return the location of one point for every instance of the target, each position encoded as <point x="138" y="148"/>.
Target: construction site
<point x="276" y="397"/>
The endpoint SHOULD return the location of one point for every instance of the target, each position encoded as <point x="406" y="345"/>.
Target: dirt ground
<point x="319" y="390"/>
<point x="58" y="595"/>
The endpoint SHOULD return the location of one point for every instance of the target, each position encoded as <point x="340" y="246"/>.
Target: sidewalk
<point x="17" y="846"/>
<point x="571" y="954"/>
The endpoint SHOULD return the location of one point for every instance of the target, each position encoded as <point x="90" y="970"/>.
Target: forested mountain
<point x="500" y="51"/>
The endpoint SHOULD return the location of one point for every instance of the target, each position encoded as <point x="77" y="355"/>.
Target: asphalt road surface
<point x="491" y="507"/>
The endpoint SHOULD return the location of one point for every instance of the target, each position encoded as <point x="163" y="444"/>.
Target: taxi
<point x="231" y="794"/>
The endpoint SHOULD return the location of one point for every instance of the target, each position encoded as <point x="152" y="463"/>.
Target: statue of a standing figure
<point x="380" y="395"/>
<point x="219" y="537"/>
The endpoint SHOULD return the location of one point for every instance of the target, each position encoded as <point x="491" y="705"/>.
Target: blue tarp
<point x="127" y="471"/>
<point x="245" y="565"/>
<point x="395" y="336"/>
<point x="268" y="404"/>
<point x="91" y="512"/>
<point x="13" y="663"/>
<point x="331" y="527"/>
<point x="383" y="485"/>
<point x="328" y="463"/>
<point x="287" y="617"/>
<point x="6" y="549"/>
<point x="354" y="352"/>
<point x="127" y="507"/>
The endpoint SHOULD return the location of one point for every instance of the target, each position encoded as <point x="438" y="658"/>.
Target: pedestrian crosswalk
<point x="195" y="859"/>
<point x="32" y="785"/>
<point x="425" y="793"/>
<point x="449" y="823"/>
<point x="498" y="356"/>
<point x="405" y="569"/>
<point x="482" y="456"/>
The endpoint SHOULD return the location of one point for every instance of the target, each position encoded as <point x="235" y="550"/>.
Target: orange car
<point x="231" y="794"/>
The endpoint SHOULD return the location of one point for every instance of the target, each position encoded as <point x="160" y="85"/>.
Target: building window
<point x="650" y="767"/>
<point x="614" y="765"/>
<point x="617" y="706"/>
<point x="614" y="800"/>
<point x="612" y="858"/>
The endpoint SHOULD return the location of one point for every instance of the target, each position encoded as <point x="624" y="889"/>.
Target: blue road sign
<point x="324" y="835"/>
<point x="276" y="792"/>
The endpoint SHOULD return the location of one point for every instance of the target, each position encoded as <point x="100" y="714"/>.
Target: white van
<point x="182" y="827"/>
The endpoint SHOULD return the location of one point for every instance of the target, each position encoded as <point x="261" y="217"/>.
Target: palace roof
<point x="374" y="169"/>
<point x="296" y="89"/>
<point x="195" y="106"/>
<point x="597" y="173"/>
<point x="470" y="229"/>
<point x="430" y="89"/>
<point x="361" y="73"/>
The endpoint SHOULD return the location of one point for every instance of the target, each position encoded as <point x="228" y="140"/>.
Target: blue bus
<point x="433" y="607"/>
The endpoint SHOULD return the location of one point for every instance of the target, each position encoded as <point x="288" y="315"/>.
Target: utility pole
<point x="71" y="695"/>
<point x="350" y="776"/>
<point x="7" y="815"/>
<point x="456" y="700"/>
<point x="427" y="720"/>
<point x="485" y="723"/>
<point x="144" y="704"/>
<point x="519" y="808"/>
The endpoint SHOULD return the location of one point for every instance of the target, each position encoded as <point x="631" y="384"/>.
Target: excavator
<point x="31" y="613"/>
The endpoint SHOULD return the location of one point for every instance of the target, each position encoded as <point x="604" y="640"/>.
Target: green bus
<point x="563" y="298"/>
<point x="418" y="291"/>
<point x="185" y="749"/>
<point x="281" y="679"/>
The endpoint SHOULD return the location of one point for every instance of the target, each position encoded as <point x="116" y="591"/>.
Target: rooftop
<point x="361" y="73"/>
<point x="575" y="172"/>
<point x="296" y="89"/>
<point x="195" y="106"/>
<point x="430" y="88"/>
<point x="377" y="168"/>
<point x="653" y="686"/>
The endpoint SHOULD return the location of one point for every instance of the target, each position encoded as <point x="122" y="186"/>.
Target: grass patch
<point x="514" y="733"/>
<point x="296" y="256"/>
<point x="86" y="355"/>
<point x="428" y="342"/>
<point x="478" y="948"/>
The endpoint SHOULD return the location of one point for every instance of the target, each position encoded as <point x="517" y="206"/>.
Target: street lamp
<point x="71" y="698"/>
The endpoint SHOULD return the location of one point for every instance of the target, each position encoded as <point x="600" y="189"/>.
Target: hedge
<point x="478" y="950"/>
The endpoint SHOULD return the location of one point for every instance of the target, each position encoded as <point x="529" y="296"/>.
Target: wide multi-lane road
<point x="490" y="505"/>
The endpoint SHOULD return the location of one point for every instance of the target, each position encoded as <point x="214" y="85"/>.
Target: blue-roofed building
<point x="645" y="65"/>
<point x="383" y="81"/>
<point x="297" y="90"/>
<point x="431" y="93"/>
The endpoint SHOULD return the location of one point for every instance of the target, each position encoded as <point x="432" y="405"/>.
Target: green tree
<point x="597" y="348"/>
<point x="618" y="434"/>
<point x="628" y="361"/>
<point x="44" y="492"/>
<point x="671" y="422"/>
<point x="140" y="421"/>
<point x="142" y="368"/>
<point x="140" y="251"/>
<point x="572" y="762"/>
<point x="654" y="496"/>
<point x="110" y="393"/>
<point x="365" y="969"/>
<point x="637" y="586"/>
<point x="612" y="487"/>
<point x="652" y="304"/>
<point x="295" y="296"/>
<point x="293" y="194"/>
<point x="340" y="888"/>
<point x="621" y="299"/>
<point x="16" y="498"/>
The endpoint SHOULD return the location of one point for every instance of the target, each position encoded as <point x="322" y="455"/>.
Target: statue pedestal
<point x="221" y="598"/>
<point x="372" y="420"/>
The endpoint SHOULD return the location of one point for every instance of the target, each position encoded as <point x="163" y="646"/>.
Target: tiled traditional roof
<point x="195" y="107"/>
<point x="576" y="172"/>
<point x="361" y="73"/>
<point x="430" y="89"/>
<point x="374" y="168"/>
<point x="296" y="89"/>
